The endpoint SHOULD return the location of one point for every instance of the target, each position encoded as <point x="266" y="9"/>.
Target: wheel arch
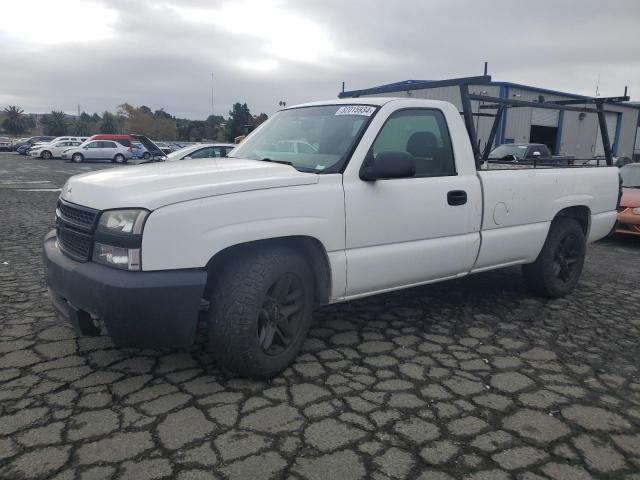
<point x="310" y="248"/>
<point x="580" y="213"/>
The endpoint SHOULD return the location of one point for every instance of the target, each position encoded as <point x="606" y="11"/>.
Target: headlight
<point x="119" y="238"/>
<point x="129" y="222"/>
<point x="636" y="210"/>
<point x="118" y="257"/>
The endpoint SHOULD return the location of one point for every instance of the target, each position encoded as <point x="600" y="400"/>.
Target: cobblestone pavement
<point x="471" y="379"/>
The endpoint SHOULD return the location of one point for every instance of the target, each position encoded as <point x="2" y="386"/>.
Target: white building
<point x="564" y="132"/>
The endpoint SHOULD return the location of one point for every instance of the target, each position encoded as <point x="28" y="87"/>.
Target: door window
<point x="94" y="145"/>
<point x="109" y="145"/>
<point x="202" y="153"/>
<point x="423" y="134"/>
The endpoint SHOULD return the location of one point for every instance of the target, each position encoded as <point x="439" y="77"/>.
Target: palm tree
<point x="109" y="123"/>
<point x="55" y="123"/>
<point x="15" y="122"/>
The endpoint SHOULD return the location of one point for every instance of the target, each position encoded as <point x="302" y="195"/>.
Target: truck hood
<point x="158" y="184"/>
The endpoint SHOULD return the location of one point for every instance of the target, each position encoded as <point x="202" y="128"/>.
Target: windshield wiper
<point x="271" y="160"/>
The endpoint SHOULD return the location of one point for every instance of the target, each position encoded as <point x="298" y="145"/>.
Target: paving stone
<point x="116" y="448"/>
<point x="599" y="455"/>
<point x="535" y="425"/>
<point x="39" y="463"/>
<point x="13" y="422"/>
<point x="266" y="465"/>
<point x="595" y="418"/>
<point x="147" y="469"/>
<point x="45" y="435"/>
<point x="305" y="393"/>
<point x="491" y="441"/>
<point x="493" y="401"/>
<point x="560" y="471"/>
<point x="236" y="443"/>
<point x="466" y="426"/>
<point x="196" y="475"/>
<point x="345" y="465"/>
<point x="331" y="434"/>
<point x="281" y="418"/>
<point x="488" y="475"/>
<point x="439" y="452"/>
<point x="184" y="426"/>
<point x="98" y="473"/>
<point x="395" y="463"/>
<point x="92" y="424"/>
<point x="462" y="386"/>
<point x="516" y="458"/>
<point x="628" y="443"/>
<point x="510" y="382"/>
<point x="417" y="430"/>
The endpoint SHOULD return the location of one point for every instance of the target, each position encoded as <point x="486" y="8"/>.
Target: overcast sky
<point x="162" y="53"/>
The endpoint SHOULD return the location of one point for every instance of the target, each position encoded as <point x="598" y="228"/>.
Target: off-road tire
<point x="547" y="276"/>
<point x="237" y="305"/>
<point x="77" y="158"/>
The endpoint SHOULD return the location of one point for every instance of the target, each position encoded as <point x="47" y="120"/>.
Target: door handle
<point x="457" y="197"/>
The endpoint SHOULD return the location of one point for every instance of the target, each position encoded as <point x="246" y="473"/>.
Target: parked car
<point x="296" y="146"/>
<point x="203" y="150"/>
<point x="5" y="144"/>
<point x="629" y="210"/>
<point x="98" y="150"/>
<point x="139" y="151"/>
<point x="268" y="235"/>
<point x="521" y="152"/>
<point x="125" y="140"/>
<point x="53" y="149"/>
<point x="23" y="149"/>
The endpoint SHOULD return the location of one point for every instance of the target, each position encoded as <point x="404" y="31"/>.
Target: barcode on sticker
<point x="364" y="110"/>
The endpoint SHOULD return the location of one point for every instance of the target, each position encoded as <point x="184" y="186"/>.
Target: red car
<point x="629" y="210"/>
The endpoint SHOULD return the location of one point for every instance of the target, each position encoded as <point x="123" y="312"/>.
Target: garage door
<point x="545" y="117"/>
<point x="612" y="124"/>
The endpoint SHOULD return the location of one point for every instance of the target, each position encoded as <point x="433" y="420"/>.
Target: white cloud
<point x="52" y="22"/>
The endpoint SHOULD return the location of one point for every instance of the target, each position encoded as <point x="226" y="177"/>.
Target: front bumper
<point x="628" y="222"/>
<point x="138" y="309"/>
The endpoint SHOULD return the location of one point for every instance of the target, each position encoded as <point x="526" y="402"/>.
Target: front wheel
<point x="46" y="155"/>
<point x="557" y="269"/>
<point x="261" y="311"/>
<point x="77" y="158"/>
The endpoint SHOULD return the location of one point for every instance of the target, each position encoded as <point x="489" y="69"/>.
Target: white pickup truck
<point x="388" y="196"/>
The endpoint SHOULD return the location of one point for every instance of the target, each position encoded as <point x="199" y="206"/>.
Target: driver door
<point x="407" y="231"/>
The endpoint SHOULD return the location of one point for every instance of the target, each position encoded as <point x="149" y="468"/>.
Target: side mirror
<point x="85" y="148"/>
<point x="387" y="165"/>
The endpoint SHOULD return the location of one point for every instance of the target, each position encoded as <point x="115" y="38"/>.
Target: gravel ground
<point x="470" y="379"/>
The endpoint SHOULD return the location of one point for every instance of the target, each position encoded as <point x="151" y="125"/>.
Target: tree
<point x="55" y="123"/>
<point x="263" y="117"/>
<point x="240" y="121"/>
<point x="109" y="123"/>
<point x="159" y="125"/>
<point x="15" y="122"/>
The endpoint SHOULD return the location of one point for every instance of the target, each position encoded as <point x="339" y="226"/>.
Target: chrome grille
<point x="79" y="216"/>
<point x="75" y="244"/>
<point x="75" y="225"/>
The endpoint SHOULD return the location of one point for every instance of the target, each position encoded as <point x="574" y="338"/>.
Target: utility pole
<point x="212" y="110"/>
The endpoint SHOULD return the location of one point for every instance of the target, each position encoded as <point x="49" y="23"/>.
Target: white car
<point x="393" y="197"/>
<point x="59" y="139"/>
<point x="53" y="150"/>
<point x="98" y="150"/>
<point x="202" y="150"/>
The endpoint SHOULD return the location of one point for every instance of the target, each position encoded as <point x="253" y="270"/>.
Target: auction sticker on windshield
<point x="365" y="110"/>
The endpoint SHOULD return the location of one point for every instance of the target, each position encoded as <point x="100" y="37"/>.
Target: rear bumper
<point x="138" y="309"/>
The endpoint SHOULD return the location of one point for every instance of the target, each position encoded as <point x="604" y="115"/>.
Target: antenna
<point x="598" y="86"/>
<point x="486" y="68"/>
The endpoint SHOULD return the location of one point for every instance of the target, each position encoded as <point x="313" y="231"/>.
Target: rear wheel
<point x="146" y="155"/>
<point x="119" y="158"/>
<point x="260" y="312"/>
<point x="46" y="155"/>
<point x="557" y="269"/>
<point x="77" y="158"/>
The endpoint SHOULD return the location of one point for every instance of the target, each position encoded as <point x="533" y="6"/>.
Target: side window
<point x="109" y="145"/>
<point x="94" y="145"/>
<point x="203" y="153"/>
<point x="218" y="151"/>
<point x="125" y="142"/>
<point x="422" y="133"/>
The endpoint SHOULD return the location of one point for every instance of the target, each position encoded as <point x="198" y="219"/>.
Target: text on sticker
<point x="365" y="110"/>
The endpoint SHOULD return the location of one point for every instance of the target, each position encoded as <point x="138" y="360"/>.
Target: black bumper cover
<point x="139" y="309"/>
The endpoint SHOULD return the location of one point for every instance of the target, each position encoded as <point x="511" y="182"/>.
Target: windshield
<point x="311" y="139"/>
<point x="630" y="175"/>
<point x="502" y="151"/>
